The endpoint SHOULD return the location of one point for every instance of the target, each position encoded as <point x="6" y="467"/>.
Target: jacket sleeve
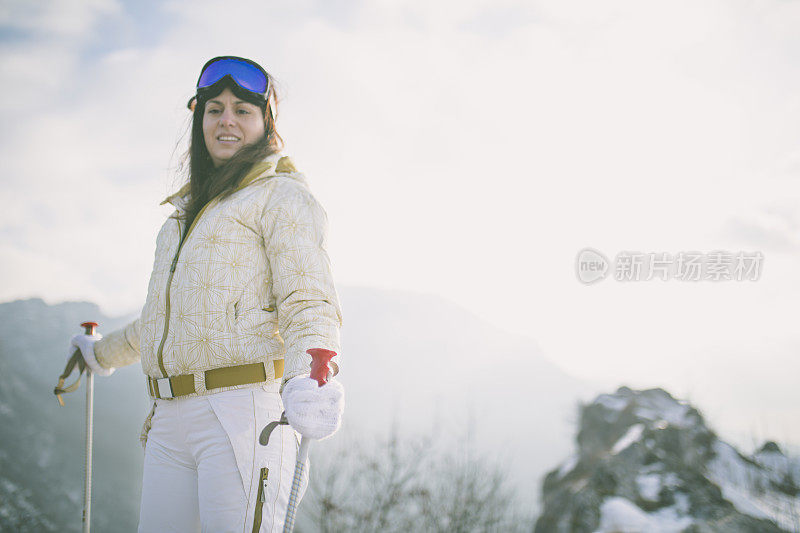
<point x="309" y="313"/>
<point x="119" y="348"/>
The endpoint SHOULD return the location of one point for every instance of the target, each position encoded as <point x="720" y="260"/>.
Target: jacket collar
<point x="270" y="166"/>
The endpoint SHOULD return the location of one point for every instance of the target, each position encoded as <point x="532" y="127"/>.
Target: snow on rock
<point x="775" y="461"/>
<point x="633" y="434"/>
<point x="612" y="402"/>
<point x="673" y="518"/>
<point x="649" y="486"/>
<point x="657" y="407"/>
<point x="749" y="485"/>
<point x="620" y="515"/>
<point x="772" y="458"/>
<point x="567" y="465"/>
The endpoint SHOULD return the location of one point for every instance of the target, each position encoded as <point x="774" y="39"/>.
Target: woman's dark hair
<point x="206" y="181"/>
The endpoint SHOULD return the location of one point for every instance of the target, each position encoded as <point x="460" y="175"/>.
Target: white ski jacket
<point x="249" y="282"/>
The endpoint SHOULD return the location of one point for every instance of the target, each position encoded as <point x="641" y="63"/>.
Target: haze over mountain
<point x="42" y="444"/>
<point x="412" y="362"/>
<point x="426" y="364"/>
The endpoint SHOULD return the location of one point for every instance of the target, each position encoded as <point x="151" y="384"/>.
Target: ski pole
<point x="89" y="328"/>
<point x="76" y="361"/>
<point x="87" y="480"/>
<point x="319" y="371"/>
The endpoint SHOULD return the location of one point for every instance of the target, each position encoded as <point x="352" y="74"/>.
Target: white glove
<point x="314" y="411"/>
<point x="86" y="345"/>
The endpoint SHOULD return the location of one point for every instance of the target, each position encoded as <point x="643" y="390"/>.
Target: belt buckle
<point x="163" y="388"/>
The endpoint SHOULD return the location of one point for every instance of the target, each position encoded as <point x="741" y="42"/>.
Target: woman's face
<point x="230" y="123"/>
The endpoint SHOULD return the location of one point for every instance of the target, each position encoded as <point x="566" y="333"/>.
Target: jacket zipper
<point x="169" y="284"/>
<point x="262" y="497"/>
<point x="249" y="178"/>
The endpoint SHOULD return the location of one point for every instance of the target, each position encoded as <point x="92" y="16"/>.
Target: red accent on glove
<point x="319" y="364"/>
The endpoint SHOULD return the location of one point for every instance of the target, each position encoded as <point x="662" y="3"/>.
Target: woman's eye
<point x="213" y="111"/>
<point x="244" y="112"/>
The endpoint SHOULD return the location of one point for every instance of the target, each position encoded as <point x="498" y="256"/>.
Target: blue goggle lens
<point x="248" y="75"/>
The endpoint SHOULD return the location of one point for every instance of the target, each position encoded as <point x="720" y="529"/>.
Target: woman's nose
<point x="227" y="118"/>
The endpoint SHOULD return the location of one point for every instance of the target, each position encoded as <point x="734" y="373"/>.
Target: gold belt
<point x="228" y="376"/>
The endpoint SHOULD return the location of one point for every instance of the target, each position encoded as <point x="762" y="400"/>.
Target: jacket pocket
<point x="262" y="497"/>
<point x="148" y="423"/>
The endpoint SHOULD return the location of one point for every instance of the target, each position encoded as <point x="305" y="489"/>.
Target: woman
<point x="241" y="295"/>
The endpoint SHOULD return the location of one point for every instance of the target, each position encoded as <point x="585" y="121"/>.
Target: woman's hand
<point x="85" y="343"/>
<point x="314" y="411"/>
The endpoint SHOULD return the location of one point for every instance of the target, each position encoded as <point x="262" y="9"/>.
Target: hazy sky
<point x="468" y="149"/>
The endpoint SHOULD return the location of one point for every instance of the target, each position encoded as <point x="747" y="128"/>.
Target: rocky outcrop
<point x="646" y="462"/>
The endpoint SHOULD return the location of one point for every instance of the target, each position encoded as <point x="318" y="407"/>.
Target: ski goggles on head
<point x="245" y="73"/>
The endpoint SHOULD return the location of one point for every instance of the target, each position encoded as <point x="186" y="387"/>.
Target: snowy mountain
<point x="412" y="363"/>
<point x="646" y="462"/>
<point x="42" y="444"/>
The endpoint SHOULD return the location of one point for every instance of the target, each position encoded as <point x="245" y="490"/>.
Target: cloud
<point x="54" y="19"/>
<point x="774" y="228"/>
<point x="496" y="132"/>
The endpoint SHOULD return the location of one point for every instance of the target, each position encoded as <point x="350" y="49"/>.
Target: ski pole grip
<point x="319" y="364"/>
<point x="76" y="360"/>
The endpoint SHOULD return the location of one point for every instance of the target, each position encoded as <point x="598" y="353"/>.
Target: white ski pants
<point x="204" y="469"/>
